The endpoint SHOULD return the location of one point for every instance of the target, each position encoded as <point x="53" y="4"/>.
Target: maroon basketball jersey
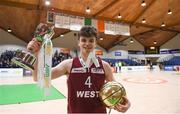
<point x="83" y="88"/>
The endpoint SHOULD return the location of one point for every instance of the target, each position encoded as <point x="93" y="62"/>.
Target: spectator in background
<point x="59" y="57"/>
<point x="5" y="59"/>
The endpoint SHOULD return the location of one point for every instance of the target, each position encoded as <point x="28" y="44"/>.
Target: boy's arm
<point x="62" y="68"/>
<point x="34" y="46"/>
<point x="34" y="73"/>
<point x="108" y="71"/>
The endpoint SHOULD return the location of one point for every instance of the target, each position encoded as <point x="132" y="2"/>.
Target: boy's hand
<point x="34" y="45"/>
<point x="124" y="106"/>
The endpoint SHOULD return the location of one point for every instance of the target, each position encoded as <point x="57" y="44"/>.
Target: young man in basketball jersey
<point x="84" y="82"/>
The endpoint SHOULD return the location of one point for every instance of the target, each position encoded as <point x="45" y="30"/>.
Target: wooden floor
<point x="149" y="92"/>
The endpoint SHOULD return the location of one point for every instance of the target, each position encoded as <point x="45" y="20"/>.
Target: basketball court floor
<point x="150" y="92"/>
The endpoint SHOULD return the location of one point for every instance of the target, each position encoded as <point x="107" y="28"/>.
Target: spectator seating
<point x="173" y="61"/>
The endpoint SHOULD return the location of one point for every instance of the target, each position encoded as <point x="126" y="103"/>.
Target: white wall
<point x="124" y="54"/>
<point x="124" y="49"/>
<point x="174" y="43"/>
<point x="7" y="38"/>
<point x="10" y="42"/>
<point x="68" y="41"/>
<point x="129" y="46"/>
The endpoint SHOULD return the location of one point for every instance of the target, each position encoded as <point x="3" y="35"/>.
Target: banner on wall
<point x="172" y="68"/>
<point x="170" y="51"/>
<point x="99" y="52"/>
<point x="168" y="68"/>
<point x="117" y="53"/>
<point x="11" y="72"/>
<point x="100" y="25"/>
<point x="94" y="23"/>
<point x="50" y="17"/>
<point x="110" y="28"/>
<point x="62" y="21"/>
<point x="87" y="21"/>
<point x="116" y="28"/>
<point x="76" y="23"/>
<point x="164" y="52"/>
<point x="122" y="29"/>
<point x="65" y="50"/>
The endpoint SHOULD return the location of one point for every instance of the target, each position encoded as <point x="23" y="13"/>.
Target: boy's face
<point x="87" y="44"/>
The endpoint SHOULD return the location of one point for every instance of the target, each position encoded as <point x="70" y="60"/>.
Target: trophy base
<point x="21" y="63"/>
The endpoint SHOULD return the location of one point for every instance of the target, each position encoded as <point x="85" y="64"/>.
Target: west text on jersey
<point x="87" y="94"/>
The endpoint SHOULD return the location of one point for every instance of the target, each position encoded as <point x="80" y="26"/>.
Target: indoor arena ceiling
<point x="22" y="16"/>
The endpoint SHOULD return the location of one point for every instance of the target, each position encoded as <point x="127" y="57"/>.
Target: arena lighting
<point x="88" y="10"/>
<point x="152" y="47"/>
<point x="169" y="12"/>
<point x="143" y="3"/>
<point x="119" y="16"/>
<point x="61" y="35"/>
<point x="47" y="3"/>
<point x="101" y="38"/>
<point x="9" y="29"/>
<point x="131" y="41"/>
<point x="155" y="42"/>
<point x="163" y="24"/>
<point x="143" y="20"/>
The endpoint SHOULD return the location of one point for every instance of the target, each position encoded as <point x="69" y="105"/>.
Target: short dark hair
<point x="88" y="31"/>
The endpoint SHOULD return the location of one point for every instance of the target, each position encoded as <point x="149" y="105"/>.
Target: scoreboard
<point x="151" y="50"/>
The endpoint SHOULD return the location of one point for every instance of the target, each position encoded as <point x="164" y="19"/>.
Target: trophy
<point x="27" y="59"/>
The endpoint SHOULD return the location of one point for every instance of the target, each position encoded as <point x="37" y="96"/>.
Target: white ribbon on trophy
<point x="45" y="64"/>
<point x="40" y="70"/>
<point x="48" y="65"/>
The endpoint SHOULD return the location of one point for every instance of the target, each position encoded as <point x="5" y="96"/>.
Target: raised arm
<point x="34" y="46"/>
<point x="62" y="68"/>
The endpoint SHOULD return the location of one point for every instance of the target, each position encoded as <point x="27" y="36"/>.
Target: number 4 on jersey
<point x="88" y="82"/>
